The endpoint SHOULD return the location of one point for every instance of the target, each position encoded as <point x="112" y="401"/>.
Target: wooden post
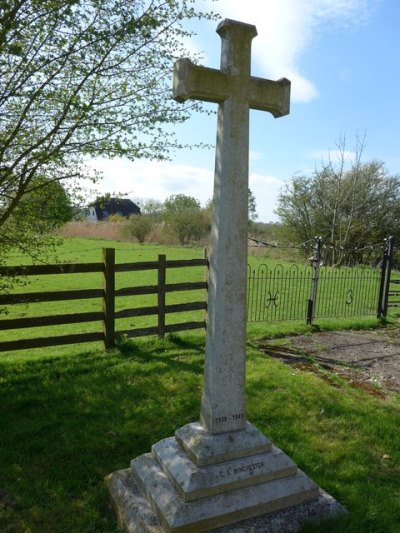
<point x="161" y="295"/>
<point x="206" y="279"/>
<point x="109" y="297"/>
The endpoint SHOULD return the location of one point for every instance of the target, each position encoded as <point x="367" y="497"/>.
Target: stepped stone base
<point x="185" y="485"/>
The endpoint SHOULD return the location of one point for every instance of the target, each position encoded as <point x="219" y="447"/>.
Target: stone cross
<point x="223" y="405"/>
<point x="222" y="469"/>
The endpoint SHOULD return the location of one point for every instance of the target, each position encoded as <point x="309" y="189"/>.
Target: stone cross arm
<point x="211" y="85"/>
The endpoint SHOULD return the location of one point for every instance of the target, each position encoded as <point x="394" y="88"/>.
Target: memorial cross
<point x="223" y="405"/>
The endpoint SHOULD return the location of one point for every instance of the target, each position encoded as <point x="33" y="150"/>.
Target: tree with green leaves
<point x="79" y="79"/>
<point x="252" y="206"/>
<point x="350" y="203"/>
<point x="44" y="208"/>
<point x="140" y="226"/>
<point x="185" y="219"/>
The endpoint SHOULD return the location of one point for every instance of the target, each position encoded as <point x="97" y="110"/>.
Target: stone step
<point x="193" y="482"/>
<point x="218" y="510"/>
<point x="205" y="448"/>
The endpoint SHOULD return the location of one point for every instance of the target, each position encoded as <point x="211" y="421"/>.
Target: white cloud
<point x="153" y="179"/>
<point x="286" y="28"/>
<point x="266" y="191"/>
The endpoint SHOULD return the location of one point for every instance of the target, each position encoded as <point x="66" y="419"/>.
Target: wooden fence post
<point x="161" y="295"/>
<point x="109" y="297"/>
<point x="206" y="279"/>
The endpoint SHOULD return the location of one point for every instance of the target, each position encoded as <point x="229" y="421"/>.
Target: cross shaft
<point x="236" y="91"/>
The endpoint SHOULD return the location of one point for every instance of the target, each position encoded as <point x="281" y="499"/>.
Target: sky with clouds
<point x="342" y="59"/>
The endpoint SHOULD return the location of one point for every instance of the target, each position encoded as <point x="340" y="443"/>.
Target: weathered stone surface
<point x="221" y="509"/>
<point x="291" y="519"/>
<point x="133" y="510"/>
<point x="223" y="405"/>
<point x="136" y="515"/>
<point x="221" y="470"/>
<point x="192" y="482"/>
<point x="204" y="448"/>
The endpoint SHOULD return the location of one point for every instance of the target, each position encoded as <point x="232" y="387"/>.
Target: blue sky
<point x="343" y="59"/>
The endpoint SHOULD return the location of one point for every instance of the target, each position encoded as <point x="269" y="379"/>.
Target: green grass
<point x="90" y="250"/>
<point x="72" y="414"/>
<point x="68" y="420"/>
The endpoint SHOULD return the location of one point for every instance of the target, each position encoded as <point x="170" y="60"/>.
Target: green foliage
<point x="140" y="226"/>
<point x="185" y="219"/>
<point x="176" y="203"/>
<point x="82" y="79"/>
<point x="350" y="204"/>
<point x="43" y="208"/>
<point x="45" y="205"/>
<point x="252" y="206"/>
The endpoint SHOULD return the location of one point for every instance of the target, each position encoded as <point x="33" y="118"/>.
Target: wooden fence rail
<point x="108" y="316"/>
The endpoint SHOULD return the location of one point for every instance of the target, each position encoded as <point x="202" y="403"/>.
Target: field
<point x="285" y="296"/>
<point x="73" y="414"/>
<point x="90" y="251"/>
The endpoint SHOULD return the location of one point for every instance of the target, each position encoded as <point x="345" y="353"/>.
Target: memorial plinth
<point x="193" y="483"/>
<point x="221" y="470"/>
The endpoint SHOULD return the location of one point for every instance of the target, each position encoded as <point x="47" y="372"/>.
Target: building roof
<point x="116" y="206"/>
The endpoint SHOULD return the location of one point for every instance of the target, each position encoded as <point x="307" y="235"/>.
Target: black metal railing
<point x="317" y="291"/>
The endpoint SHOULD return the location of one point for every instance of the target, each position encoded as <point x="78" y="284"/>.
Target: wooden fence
<point x="108" y="293"/>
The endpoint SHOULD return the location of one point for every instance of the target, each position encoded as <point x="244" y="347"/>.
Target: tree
<point x="252" y="206"/>
<point x="176" y="203"/>
<point x="151" y="207"/>
<point x="44" y="207"/>
<point x="81" y="78"/>
<point x="350" y="204"/>
<point x="184" y="218"/>
<point x="46" y="204"/>
<point x="140" y="226"/>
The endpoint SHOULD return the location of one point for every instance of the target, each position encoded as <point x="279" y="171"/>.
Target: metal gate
<point x="295" y="293"/>
<point x="315" y="291"/>
<point x="279" y="293"/>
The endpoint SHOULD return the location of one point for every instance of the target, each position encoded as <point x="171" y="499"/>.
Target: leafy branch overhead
<point x="82" y="78"/>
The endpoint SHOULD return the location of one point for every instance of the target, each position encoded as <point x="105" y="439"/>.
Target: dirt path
<point x="368" y="359"/>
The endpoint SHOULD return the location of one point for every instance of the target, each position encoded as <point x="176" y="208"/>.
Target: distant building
<point x="115" y="206"/>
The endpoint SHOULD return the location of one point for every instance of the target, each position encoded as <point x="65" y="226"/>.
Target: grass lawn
<point x="72" y="414"/>
<point x="90" y="251"/>
<point x="68" y="420"/>
<point x="289" y="295"/>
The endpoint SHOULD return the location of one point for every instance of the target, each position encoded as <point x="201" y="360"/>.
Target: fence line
<point x="108" y="294"/>
<point x="272" y="294"/>
<point x="310" y="292"/>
